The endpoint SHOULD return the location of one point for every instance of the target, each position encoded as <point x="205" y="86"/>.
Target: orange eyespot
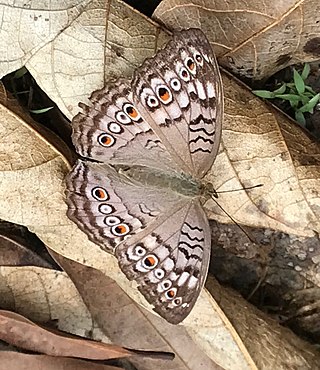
<point x="171" y="293"/>
<point x="132" y="112"/>
<point x="190" y="64"/>
<point x="120" y="230"/>
<point x="106" y="140"/>
<point x="150" y="261"/>
<point x="100" y="194"/>
<point x="164" y="94"/>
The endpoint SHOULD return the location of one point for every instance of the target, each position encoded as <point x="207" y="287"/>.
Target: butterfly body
<point x="154" y="138"/>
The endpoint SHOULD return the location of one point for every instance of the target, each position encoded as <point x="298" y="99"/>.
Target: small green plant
<point x="301" y="97"/>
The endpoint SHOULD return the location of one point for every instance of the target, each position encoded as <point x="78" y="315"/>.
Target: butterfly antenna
<point x="230" y="191"/>
<point x="232" y="219"/>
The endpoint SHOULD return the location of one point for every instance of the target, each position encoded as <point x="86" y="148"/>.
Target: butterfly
<point x="150" y="141"/>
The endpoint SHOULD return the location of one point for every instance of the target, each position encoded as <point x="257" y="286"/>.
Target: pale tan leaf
<point x="260" y="145"/>
<point x="44" y="295"/>
<point x="271" y="345"/>
<point x="72" y="47"/>
<point x="254" y="39"/>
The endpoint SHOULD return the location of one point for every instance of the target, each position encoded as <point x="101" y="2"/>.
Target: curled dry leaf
<point x="13" y="360"/>
<point x="254" y="39"/>
<point x="14" y="252"/>
<point x="21" y="332"/>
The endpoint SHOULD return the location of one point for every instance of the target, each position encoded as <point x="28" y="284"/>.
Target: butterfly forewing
<point x="179" y="93"/>
<point x="156" y="137"/>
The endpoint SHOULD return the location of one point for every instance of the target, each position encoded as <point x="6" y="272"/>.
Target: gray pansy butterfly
<point x="155" y="137"/>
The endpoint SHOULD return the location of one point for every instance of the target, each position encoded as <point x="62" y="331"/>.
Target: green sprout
<point x="301" y="97"/>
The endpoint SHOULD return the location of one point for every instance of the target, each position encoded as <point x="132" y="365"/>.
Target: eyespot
<point x="150" y="262"/>
<point x="106" y="140"/>
<point x="159" y="273"/>
<point x="115" y="128"/>
<point x="152" y="102"/>
<point x="198" y="58"/>
<point x="120" y="230"/>
<point x="164" y="94"/>
<point x="175" y="84"/>
<point x="132" y="112"/>
<point x="167" y="284"/>
<point x="177" y="301"/>
<point x="100" y="193"/>
<point x="123" y="118"/>
<point x="170" y="294"/>
<point x="139" y="250"/>
<point x="106" y="209"/>
<point x="184" y="74"/>
<point x="112" y="220"/>
<point x="190" y="64"/>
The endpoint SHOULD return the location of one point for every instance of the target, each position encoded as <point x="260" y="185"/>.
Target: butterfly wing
<point x="179" y="93"/>
<point x="109" y="207"/>
<point x="111" y="130"/>
<point x="161" y="239"/>
<point x="170" y="260"/>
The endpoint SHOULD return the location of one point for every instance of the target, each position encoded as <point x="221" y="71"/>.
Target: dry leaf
<point x="271" y="345"/>
<point x="13" y="360"/>
<point x="21" y="332"/>
<point x="142" y="329"/>
<point x="253" y="39"/>
<point x="16" y="253"/>
<point x="260" y="145"/>
<point x="71" y="48"/>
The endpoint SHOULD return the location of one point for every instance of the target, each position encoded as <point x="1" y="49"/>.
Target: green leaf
<point x="310" y="89"/>
<point x="290" y="97"/>
<point x="281" y="89"/>
<point x="305" y="72"/>
<point x="310" y="105"/>
<point x="300" y="118"/>
<point x="294" y="104"/>
<point x="264" y="94"/>
<point x="39" y="111"/>
<point x="20" y="72"/>
<point x="298" y="82"/>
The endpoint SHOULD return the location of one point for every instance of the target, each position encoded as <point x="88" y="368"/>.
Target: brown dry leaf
<point x="14" y="360"/>
<point x="23" y="333"/>
<point x="254" y="39"/>
<point x="73" y="46"/>
<point x="106" y="300"/>
<point x="13" y="252"/>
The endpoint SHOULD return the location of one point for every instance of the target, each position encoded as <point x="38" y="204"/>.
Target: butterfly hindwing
<point x="170" y="263"/>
